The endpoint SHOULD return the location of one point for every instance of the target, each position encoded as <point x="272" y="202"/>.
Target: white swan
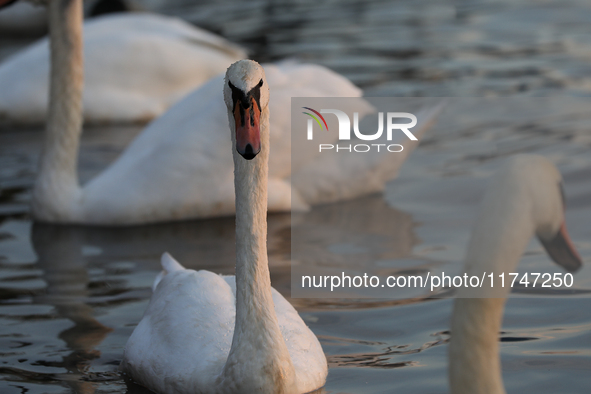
<point x="524" y="198"/>
<point x="206" y="333"/>
<point x="177" y="167"/>
<point x="136" y="65"/>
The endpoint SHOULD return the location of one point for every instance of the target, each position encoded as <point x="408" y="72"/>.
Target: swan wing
<point x="282" y="198"/>
<point x="183" y="340"/>
<point x="136" y="66"/>
<point x="304" y="348"/>
<point x="145" y="23"/>
<point x="290" y="79"/>
<point x="179" y="166"/>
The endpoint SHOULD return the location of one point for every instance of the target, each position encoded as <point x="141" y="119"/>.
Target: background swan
<point x="177" y="168"/>
<point x="524" y="198"/>
<point x="207" y="333"/>
<point x="23" y="18"/>
<point x="136" y="65"/>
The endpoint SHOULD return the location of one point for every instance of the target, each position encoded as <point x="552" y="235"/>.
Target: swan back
<point x="179" y="166"/>
<point x="136" y="66"/>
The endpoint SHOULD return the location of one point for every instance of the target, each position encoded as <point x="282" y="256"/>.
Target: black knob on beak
<point x="248" y="153"/>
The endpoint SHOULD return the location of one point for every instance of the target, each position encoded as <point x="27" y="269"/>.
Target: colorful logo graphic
<point x="316" y="119"/>
<point x="387" y="122"/>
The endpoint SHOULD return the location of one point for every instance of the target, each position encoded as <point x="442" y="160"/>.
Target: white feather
<point x="179" y="167"/>
<point x="136" y="66"/>
<point x="169" y="265"/>
<point x="186" y="334"/>
<point x="204" y="333"/>
<point x="522" y="199"/>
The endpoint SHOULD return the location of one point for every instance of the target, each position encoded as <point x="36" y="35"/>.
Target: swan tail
<point x="169" y="265"/>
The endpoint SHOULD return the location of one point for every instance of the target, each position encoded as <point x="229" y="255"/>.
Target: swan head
<point x="246" y="94"/>
<point x="542" y="184"/>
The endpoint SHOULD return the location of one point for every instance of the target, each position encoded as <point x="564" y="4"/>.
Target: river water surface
<point x="71" y="296"/>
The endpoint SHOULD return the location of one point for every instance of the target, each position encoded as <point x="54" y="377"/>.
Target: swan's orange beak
<point x="248" y="135"/>
<point x="562" y="251"/>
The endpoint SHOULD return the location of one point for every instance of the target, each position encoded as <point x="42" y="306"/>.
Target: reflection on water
<point x="65" y="299"/>
<point x="69" y="305"/>
<point x="351" y="233"/>
<point x="91" y="286"/>
<point x="362" y="236"/>
<point x="59" y="252"/>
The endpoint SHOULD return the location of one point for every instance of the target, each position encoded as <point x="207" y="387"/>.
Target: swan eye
<point x="245" y="98"/>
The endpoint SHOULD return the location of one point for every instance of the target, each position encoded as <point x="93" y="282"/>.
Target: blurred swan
<point x="136" y="65"/>
<point x="177" y="167"/>
<point x="207" y="333"/>
<point x="524" y="198"/>
<point x="23" y="18"/>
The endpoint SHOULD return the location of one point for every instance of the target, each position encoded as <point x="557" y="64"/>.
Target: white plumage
<point x="205" y="333"/>
<point x="177" y="168"/>
<point x="136" y="65"/>
<point x="186" y="333"/>
<point x="523" y="199"/>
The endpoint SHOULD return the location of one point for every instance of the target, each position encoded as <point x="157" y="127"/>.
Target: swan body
<point x="205" y="333"/>
<point x="136" y="65"/>
<point x="523" y="199"/>
<point x="202" y="304"/>
<point x="177" y="167"/>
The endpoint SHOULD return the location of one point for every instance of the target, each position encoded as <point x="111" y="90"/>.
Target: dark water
<point x="71" y="296"/>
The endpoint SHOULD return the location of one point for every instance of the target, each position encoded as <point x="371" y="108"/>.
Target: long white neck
<point x="259" y="360"/>
<point x="474" y="362"/>
<point x="56" y="189"/>
<point x="498" y="240"/>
